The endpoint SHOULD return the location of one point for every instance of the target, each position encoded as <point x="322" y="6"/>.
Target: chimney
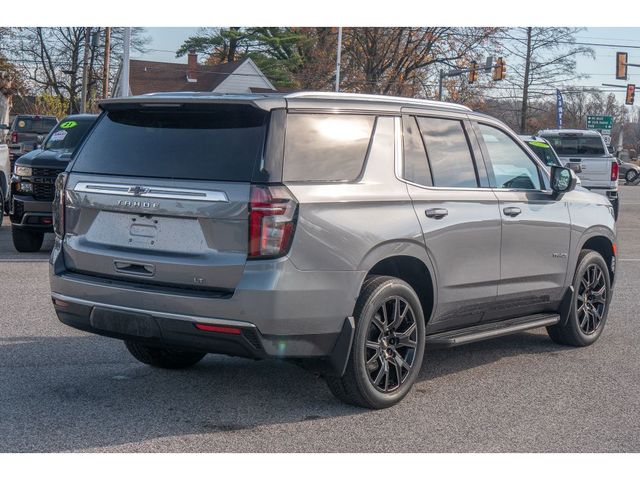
<point x="192" y="67"/>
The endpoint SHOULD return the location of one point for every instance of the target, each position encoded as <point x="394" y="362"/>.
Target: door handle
<point x="436" y="213"/>
<point x="512" y="211"/>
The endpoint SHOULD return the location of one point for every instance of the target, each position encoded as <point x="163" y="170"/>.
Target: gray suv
<point x="346" y="232"/>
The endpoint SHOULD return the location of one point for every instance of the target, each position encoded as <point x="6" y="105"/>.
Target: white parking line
<point x="629" y="259"/>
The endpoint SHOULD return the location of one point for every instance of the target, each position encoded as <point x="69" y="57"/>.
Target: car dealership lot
<point x="62" y="390"/>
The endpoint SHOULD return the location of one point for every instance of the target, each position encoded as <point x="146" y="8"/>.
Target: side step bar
<point x="491" y="330"/>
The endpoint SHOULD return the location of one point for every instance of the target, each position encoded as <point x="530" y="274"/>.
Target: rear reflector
<point x="60" y="303"/>
<point x="217" y="329"/>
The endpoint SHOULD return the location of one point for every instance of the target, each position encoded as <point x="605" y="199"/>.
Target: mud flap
<point x="342" y="348"/>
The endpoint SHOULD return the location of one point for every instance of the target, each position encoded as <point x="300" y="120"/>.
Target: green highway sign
<point x="599" y="122"/>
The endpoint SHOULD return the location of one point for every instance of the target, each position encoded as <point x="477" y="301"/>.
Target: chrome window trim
<point x="145" y="191"/>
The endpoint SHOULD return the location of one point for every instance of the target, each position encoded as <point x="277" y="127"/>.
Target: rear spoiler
<point x="262" y="102"/>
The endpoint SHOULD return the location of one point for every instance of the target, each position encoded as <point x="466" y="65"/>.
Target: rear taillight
<point x="14" y="137"/>
<point x="615" y="169"/>
<point x="59" y="205"/>
<point x="272" y="221"/>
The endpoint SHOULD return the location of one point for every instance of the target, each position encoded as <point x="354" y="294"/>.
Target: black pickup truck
<point x="33" y="181"/>
<point x="27" y="132"/>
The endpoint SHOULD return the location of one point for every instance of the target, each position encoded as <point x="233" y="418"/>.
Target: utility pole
<point x="124" y="84"/>
<point x="105" y="69"/>
<point x="338" y="59"/>
<point x="525" y="87"/>
<point x="85" y="70"/>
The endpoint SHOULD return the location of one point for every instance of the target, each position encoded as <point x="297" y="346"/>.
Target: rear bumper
<point x="241" y="339"/>
<point x="295" y="313"/>
<point x="610" y="193"/>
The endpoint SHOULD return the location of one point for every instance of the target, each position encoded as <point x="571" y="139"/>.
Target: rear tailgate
<point x="160" y="196"/>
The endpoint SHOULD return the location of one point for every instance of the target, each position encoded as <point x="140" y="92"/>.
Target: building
<point x="242" y="76"/>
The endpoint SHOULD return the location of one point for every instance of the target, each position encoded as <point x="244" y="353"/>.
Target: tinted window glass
<point x="67" y="135"/>
<point x="544" y="153"/>
<point x="35" y="125"/>
<point x="511" y="165"/>
<point x="326" y="148"/>
<point x="221" y="142"/>
<point x="567" y="145"/>
<point x="416" y="168"/>
<point x="448" y="152"/>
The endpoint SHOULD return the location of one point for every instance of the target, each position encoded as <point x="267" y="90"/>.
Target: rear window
<point x="326" y="148"/>
<point x="569" y="145"/>
<point x="67" y="135"/>
<point x="199" y="142"/>
<point x="39" y="125"/>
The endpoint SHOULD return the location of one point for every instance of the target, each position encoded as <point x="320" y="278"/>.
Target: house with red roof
<point x="242" y="76"/>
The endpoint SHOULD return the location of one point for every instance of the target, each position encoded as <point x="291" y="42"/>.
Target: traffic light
<point x="621" y="66"/>
<point x="499" y="70"/>
<point x="473" y="72"/>
<point x="631" y="93"/>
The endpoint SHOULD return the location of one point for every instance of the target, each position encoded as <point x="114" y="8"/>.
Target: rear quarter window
<point x="326" y="147"/>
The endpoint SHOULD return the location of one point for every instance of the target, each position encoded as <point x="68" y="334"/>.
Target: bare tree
<point x="402" y="60"/>
<point x="50" y="59"/>
<point x="539" y="58"/>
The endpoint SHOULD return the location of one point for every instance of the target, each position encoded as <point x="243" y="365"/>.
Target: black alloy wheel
<point x="584" y="313"/>
<point x="591" y="300"/>
<point x="391" y="345"/>
<point x="388" y="345"/>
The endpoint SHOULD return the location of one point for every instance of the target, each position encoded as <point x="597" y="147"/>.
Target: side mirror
<point x="4" y="126"/>
<point x="563" y="180"/>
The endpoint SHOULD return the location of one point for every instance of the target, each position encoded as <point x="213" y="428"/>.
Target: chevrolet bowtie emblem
<point x="138" y="190"/>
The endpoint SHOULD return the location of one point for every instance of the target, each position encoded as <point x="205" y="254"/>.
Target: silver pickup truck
<point x="586" y="149"/>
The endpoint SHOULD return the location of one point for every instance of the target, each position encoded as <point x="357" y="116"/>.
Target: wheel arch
<point x="603" y="243"/>
<point x="409" y="262"/>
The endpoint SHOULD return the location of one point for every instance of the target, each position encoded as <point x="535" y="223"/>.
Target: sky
<point x="166" y="40"/>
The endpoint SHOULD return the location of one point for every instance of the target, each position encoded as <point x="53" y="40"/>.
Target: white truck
<point x="5" y="178"/>
<point x="585" y="151"/>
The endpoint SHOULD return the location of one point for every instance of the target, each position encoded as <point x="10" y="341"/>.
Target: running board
<point x="491" y="330"/>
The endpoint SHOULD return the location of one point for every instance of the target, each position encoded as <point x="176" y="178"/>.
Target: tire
<point x="170" y="358"/>
<point x="372" y="348"/>
<point x="25" y="241"/>
<point x="577" y="327"/>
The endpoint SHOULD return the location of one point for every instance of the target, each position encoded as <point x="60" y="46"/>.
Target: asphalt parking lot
<point x="62" y="390"/>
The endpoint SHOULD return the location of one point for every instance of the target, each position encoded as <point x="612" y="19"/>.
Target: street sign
<point x="599" y="122"/>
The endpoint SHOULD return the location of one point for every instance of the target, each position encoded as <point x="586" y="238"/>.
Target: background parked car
<point x="27" y="132"/>
<point x="588" y="149"/>
<point x="33" y="184"/>
<point x="628" y="170"/>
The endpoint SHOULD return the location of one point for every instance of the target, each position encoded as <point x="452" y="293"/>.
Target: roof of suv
<point x="569" y="131"/>
<point x="269" y="101"/>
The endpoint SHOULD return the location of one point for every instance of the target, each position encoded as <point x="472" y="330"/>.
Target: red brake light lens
<point x="615" y="169"/>
<point x="272" y="221"/>
<point x="14" y="137"/>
